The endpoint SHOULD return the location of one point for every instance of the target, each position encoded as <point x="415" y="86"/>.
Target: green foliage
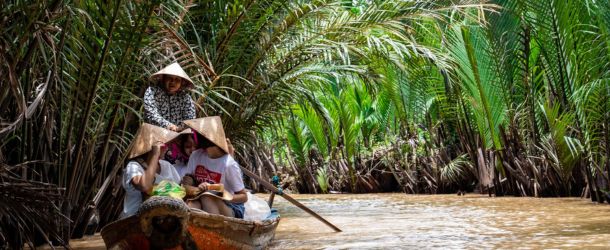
<point x="297" y="140"/>
<point x="322" y="178"/>
<point x="562" y="150"/>
<point x="479" y="82"/>
<point x="456" y="169"/>
<point x="315" y="128"/>
<point x="350" y="89"/>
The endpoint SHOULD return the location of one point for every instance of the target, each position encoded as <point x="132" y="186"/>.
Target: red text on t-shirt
<point x="203" y="174"/>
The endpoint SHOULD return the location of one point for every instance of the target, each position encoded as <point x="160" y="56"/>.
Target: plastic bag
<point x="256" y="208"/>
<point x="169" y="188"/>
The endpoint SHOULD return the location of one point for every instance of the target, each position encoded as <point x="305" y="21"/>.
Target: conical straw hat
<point x="223" y="195"/>
<point x="173" y="69"/>
<point x="147" y="136"/>
<point x="211" y="128"/>
<point x="187" y="131"/>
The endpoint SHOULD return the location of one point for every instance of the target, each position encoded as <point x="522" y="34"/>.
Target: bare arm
<point x="189" y="185"/>
<point x="240" y="196"/>
<point x="235" y="182"/>
<point x="146" y="181"/>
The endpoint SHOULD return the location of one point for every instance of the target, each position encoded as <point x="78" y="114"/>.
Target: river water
<point x="390" y="221"/>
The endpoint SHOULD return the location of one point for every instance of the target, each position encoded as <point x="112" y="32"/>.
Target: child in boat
<point x="212" y="164"/>
<point x="145" y="167"/>
<point x="168" y="102"/>
<point x="180" y="151"/>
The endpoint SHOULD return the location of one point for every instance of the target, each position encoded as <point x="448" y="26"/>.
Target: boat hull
<point x="219" y="232"/>
<point x="203" y="231"/>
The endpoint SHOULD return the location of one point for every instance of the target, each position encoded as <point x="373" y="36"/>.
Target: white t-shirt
<point x="223" y="170"/>
<point x="133" y="196"/>
<point x="180" y="168"/>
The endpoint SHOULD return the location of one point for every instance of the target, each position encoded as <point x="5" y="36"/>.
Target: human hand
<point x="187" y="180"/>
<point x="181" y="127"/>
<point x="204" y="186"/>
<point x="192" y="191"/>
<point x="173" y="127"/>
<point x="157" y="148"/>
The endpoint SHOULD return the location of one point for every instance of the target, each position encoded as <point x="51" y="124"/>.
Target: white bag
<point x="256" y="208"/>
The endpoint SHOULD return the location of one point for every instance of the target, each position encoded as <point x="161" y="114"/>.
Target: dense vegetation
<point x="505" y="96"/>
<point x="516" y="101"/>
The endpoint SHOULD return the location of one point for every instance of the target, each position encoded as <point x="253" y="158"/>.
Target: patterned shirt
<point x="163" y="109"/>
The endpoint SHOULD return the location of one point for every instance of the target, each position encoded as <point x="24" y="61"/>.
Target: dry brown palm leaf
<point x="28" y="208"/>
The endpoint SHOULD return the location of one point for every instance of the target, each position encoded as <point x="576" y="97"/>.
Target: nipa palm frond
<point x="456" y="169"/>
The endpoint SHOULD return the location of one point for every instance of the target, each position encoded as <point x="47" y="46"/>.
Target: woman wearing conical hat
<point x="213" y="164"/>
<point x="146" y="167"/>
<point x="167" y="102"/>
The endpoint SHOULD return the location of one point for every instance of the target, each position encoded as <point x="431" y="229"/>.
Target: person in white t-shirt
<point x="145" y="169"/>
<point x="211" y="164"/>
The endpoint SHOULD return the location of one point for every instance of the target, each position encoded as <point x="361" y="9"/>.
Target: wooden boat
<point x="167" y="223"/>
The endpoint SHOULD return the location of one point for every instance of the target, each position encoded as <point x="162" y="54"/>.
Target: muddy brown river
<point x="390" y="221"/>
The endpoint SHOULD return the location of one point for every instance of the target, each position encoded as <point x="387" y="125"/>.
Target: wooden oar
<point x="272" y="188"/>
